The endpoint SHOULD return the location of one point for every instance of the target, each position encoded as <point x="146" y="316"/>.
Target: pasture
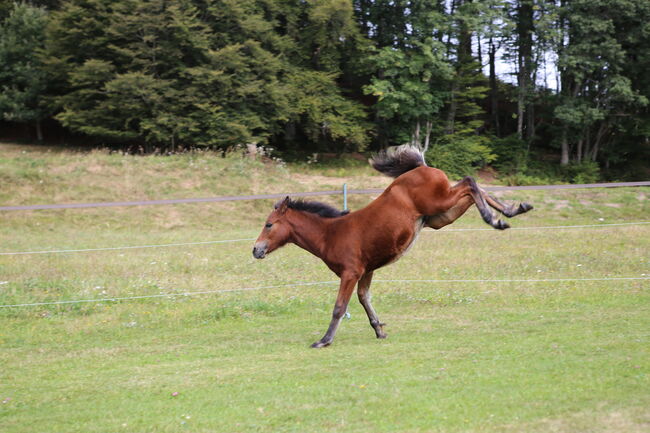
<point x="530" y="329"/>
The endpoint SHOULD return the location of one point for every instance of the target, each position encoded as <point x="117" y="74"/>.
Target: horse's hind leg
<point x="481" y="204"/>
<point x="464" y="194"/>
<point x="440" y="220"/>
<point x="509" y="210"/>
<point x="363" y="291"/>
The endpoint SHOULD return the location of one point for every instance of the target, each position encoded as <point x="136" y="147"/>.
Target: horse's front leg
<point x="348" y="280"/>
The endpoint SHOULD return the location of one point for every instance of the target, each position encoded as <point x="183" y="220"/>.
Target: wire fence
<point x="297" y="284"/>
<point x="343" y="191"/>
<point x="224" y="241"/>
<point x="318" y="283"/>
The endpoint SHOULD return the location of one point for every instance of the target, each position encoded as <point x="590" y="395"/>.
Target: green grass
<point x="543" y="356"/>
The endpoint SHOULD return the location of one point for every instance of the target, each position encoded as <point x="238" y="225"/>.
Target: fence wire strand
<point x="224" y="241"/>
<point x="318" y="283"/>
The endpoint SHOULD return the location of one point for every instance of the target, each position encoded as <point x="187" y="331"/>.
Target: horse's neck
<point x="309" y="232"/>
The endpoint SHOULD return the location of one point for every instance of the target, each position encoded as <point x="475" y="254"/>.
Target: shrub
<point x="583" y="172"/>
<point x="460" y="155"/>
<point x="511" y="154"/>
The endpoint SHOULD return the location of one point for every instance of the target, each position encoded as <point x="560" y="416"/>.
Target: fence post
<point x="347" y="314"/>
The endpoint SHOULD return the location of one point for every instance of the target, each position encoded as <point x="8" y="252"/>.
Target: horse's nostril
<point x="258" y="253"/>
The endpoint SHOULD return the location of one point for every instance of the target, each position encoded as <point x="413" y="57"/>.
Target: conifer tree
<point x="22" y="78"/>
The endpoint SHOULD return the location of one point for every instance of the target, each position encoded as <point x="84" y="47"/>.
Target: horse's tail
<point x="397" y="160"/>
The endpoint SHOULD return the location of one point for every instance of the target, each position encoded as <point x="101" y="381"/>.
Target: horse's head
<point x="275" y="233"/>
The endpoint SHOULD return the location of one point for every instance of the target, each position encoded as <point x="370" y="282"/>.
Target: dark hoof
<point x="379" y="330"/>
<point x="524" y="207"/>
<point x="501" y="225"/>
<point x="319" y="344"/>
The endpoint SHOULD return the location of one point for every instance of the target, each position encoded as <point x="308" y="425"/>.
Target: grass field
<point x="480" y="356"/>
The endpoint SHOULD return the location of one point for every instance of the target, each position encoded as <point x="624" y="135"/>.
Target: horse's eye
<point x="268" y="225"/>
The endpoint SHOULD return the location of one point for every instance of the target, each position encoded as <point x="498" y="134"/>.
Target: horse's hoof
<point x="319" y="344"/>
<point x="525" y="207"/>
<point x="501" y="225"/>
<point x="379" y="330"/>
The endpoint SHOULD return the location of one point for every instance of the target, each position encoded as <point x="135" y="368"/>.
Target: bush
<point x="584" y="172"/>
<point x="511" y="154"/>
<point x="460" y="155"/>
<point x="525" y="179"/>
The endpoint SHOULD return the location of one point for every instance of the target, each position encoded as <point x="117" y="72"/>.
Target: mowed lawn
<point x="531" y="329"/>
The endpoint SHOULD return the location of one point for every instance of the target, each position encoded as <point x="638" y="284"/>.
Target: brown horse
<point x="354" y="244"/>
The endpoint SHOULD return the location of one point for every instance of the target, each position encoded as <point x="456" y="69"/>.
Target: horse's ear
<point x="282" y="208"/>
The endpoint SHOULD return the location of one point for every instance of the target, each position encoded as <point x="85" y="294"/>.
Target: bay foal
<point x="354" y="244"/>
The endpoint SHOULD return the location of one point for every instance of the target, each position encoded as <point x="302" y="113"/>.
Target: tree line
<point x="532" y="87"/>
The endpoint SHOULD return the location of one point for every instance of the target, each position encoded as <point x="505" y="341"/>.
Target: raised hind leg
<point x="440" y="220"/>
<point x="466" y="193"/>
<point x="482" y="205"/>
<point x="363" y="291"/>
<point x="509" y="210"/>
<point x="348" y="280"/>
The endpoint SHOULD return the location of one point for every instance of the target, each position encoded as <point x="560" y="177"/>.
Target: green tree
<point x="6" y="6"/>
<point x="22" y="78"/>
<point x="329" y="49"/>
<point x="220" y="73"/>
<point x="410" y="73"/>
<point x="130" y="87"/>
<point x="409" y="90"/>
<point x="460" y="144"/>
<point x="596" y="93"/>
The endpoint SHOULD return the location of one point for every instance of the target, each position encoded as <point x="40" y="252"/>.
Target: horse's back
<point x="421" y="191"/>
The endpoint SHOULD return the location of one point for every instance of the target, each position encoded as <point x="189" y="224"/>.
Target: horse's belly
<point x="419" y="224"/>
<point x="401" y="245"/>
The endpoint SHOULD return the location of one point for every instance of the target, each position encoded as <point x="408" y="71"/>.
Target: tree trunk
<point x="520" y="114"/>
<point x="599" y="137"/>
<point x="525" y="27"/>
<point x="290" y="131"/>
<point x="39" y="130"/>
<point x="586" y="150"/>
<point x="579" y="152"/>
<point x="427" y="136"/>
<point x="463" y="57"/>
<point x="449" y="34"/>
<point x="564" y="159"/>
<point x="451" y="116"/>
<point x="415" y="137"/>
<point x="494" y="92"/>
<point x="530" y="124"/>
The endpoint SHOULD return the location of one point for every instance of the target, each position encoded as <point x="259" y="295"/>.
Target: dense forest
<point x="537" y="89"/>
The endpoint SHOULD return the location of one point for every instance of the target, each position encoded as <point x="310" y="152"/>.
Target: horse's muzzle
<point x="259" y="250"/>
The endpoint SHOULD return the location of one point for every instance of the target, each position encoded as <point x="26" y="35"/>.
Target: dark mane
<point x="321" y="209"/>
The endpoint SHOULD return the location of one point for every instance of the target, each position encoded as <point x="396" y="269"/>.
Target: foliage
<point x="460" y="154"/>
<point x="22" y="78"/>
<point x="340" y="76"/>
<point x="169" y="73"/>
<point x="597" y="93"/>
<point x="584" y="172"/>
<point x="510" y="154"/>
<point x="409" y="90"/>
